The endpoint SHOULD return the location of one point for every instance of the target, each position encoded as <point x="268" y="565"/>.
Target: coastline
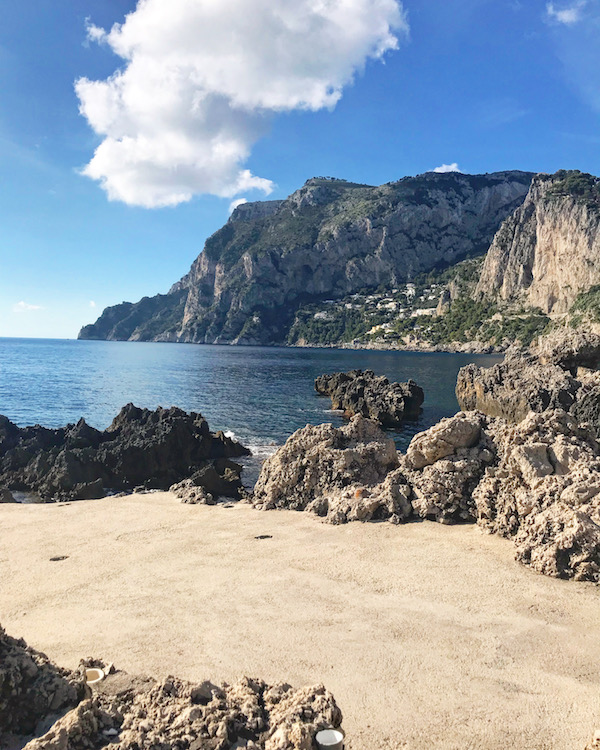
<point x="459" y="647"/>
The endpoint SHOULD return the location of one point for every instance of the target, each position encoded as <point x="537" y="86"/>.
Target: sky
<point x="129" y="130"/>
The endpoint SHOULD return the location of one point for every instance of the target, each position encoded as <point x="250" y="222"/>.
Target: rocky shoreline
<point x="521" y="460"/>
<point x="140" y="450"/>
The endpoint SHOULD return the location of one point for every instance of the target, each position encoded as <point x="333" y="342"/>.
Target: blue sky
<point x="485" y="84"/>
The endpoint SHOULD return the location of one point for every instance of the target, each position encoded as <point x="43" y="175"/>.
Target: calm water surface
<point x="262" y="394"/>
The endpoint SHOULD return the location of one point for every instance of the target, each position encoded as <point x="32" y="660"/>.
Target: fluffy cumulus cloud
<point x="567" y="15"/>
<point x="447" y="168"/>
<point x="202" y="79"/>
<point x="21" y="307"/>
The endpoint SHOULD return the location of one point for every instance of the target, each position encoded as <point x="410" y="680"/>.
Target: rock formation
<point x="328" y="239"/>
<point x="344" y="474"/>
<point x="549" y="249"/>
<point x="535" y="480"/>
<point x="31" y="687"/>
<point x="141" y="448"/>
<point x="514" y="387"/>
<point x="570" y="350"/>
<point x="371" y="396"/>
<point x="131" y="712"/>
<point x="556" y="374"/>
<point x="444" y="464"/>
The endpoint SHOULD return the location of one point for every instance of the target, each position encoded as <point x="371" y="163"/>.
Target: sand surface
<point x="429" y="636"/>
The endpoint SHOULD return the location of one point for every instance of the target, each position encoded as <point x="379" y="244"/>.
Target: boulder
<point x="339" y="474"/>
<point x="569" y="349"/>
<point x="32" y="687"/>
<point x="141" y="448"/>
<point x="372" y="396"/>
<point x="544" y="492"/>
<point x="443" y="466"/>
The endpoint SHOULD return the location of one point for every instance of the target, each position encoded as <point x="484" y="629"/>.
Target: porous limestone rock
<point x="338" y="473"/>
<point x="545" y="493"/>
<point x="151" y="449"/>
<point x="31" y="687"/>
<point x="444" y="464"/>
<point x="372" y="396"/>
<point x="131" y="714"/>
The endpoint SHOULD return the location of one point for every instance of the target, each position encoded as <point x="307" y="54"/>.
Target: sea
<point x="260" y="395"/>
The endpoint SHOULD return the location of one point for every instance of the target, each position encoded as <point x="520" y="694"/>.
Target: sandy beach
<point x="429" y="636"/>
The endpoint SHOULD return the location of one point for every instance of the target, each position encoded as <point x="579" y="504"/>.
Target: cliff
<point x="549" y="249"/>
<point x="329" y="239"/>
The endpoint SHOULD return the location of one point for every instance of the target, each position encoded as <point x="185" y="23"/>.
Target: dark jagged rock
<point x="31" y="687"/>
<point x="372" y="396"/>
<point x="151" y="449"/>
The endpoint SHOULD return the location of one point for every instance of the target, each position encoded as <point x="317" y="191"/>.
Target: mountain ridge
<point x="329" y="238"/>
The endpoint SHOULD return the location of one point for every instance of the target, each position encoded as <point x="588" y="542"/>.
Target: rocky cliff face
<point x="549" y="249"/>
<point x="328" y="239"/>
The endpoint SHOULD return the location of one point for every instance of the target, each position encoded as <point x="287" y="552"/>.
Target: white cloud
<point x="447" y="168"/>
<point x="92" y="303"/>
<point x="234" y="204"/>
<point x="568" y="15"/>
<point x="21" y="307"/>
<point x="203" y="78"/>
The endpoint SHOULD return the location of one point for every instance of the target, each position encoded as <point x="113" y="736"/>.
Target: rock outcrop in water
<point x="514" y="387"/>
<point x="372" y="396"/>
<point x="141" y="448"/>
<point x="329" y="239"/>
<point x="31" y="687"/>
<point x="345" y="474"/>
<point x="556" y="374"/>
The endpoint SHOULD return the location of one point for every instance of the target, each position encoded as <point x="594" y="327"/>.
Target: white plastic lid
<point x="329" y="737"/>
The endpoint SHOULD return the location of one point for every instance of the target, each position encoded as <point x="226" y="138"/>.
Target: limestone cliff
<point x="549" y="249"/>
<point x="328" y="239"/>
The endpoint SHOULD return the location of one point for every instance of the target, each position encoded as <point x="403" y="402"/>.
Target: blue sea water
<point x="261" y="394"/>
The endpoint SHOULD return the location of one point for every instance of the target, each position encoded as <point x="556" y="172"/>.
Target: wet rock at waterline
<point x="141" y="448"/>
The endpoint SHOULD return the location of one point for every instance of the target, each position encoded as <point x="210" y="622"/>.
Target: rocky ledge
<point x="141" y="449"/>
<point x="558" y="373"/>
<point x="373" y="396"/>
<point x="131" y="712"/>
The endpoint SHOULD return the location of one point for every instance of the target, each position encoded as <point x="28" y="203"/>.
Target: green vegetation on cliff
<point x="584" y="187"/>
